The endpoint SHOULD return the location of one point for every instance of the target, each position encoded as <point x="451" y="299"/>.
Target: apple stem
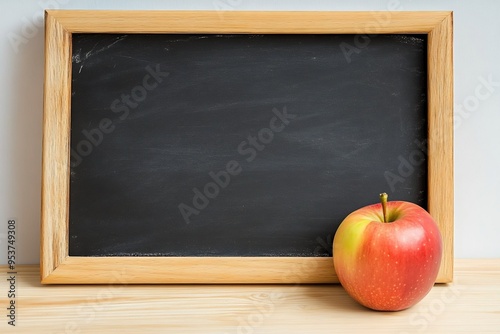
<point x="383" y="200"/>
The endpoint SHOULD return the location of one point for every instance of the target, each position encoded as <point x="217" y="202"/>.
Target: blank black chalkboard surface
<point x="211" y="148"/>
<point x="238" y="145"/>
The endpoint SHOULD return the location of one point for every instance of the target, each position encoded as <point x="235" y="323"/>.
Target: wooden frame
<point x="58" y="267"/>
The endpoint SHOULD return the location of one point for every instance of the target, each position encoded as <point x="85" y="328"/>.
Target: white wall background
<point x="477" y="129"/>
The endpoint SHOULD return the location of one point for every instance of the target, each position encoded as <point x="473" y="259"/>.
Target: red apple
<point x="387" y="255"/>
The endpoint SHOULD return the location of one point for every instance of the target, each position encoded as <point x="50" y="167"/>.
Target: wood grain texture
<point x="440" y="143"/>
<point x="471" y="304"/>
<point x="134" y="270"/>
<point x="58" y="267"/>
<point x="84" y="21"/>
<point x="55" y="152"/>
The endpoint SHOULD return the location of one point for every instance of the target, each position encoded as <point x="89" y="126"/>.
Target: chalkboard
<point x="240" y="144"/>
<point x="227" y="146"/>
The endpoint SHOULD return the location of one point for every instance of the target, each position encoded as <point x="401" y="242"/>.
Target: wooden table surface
<point x="471" y="304"/>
